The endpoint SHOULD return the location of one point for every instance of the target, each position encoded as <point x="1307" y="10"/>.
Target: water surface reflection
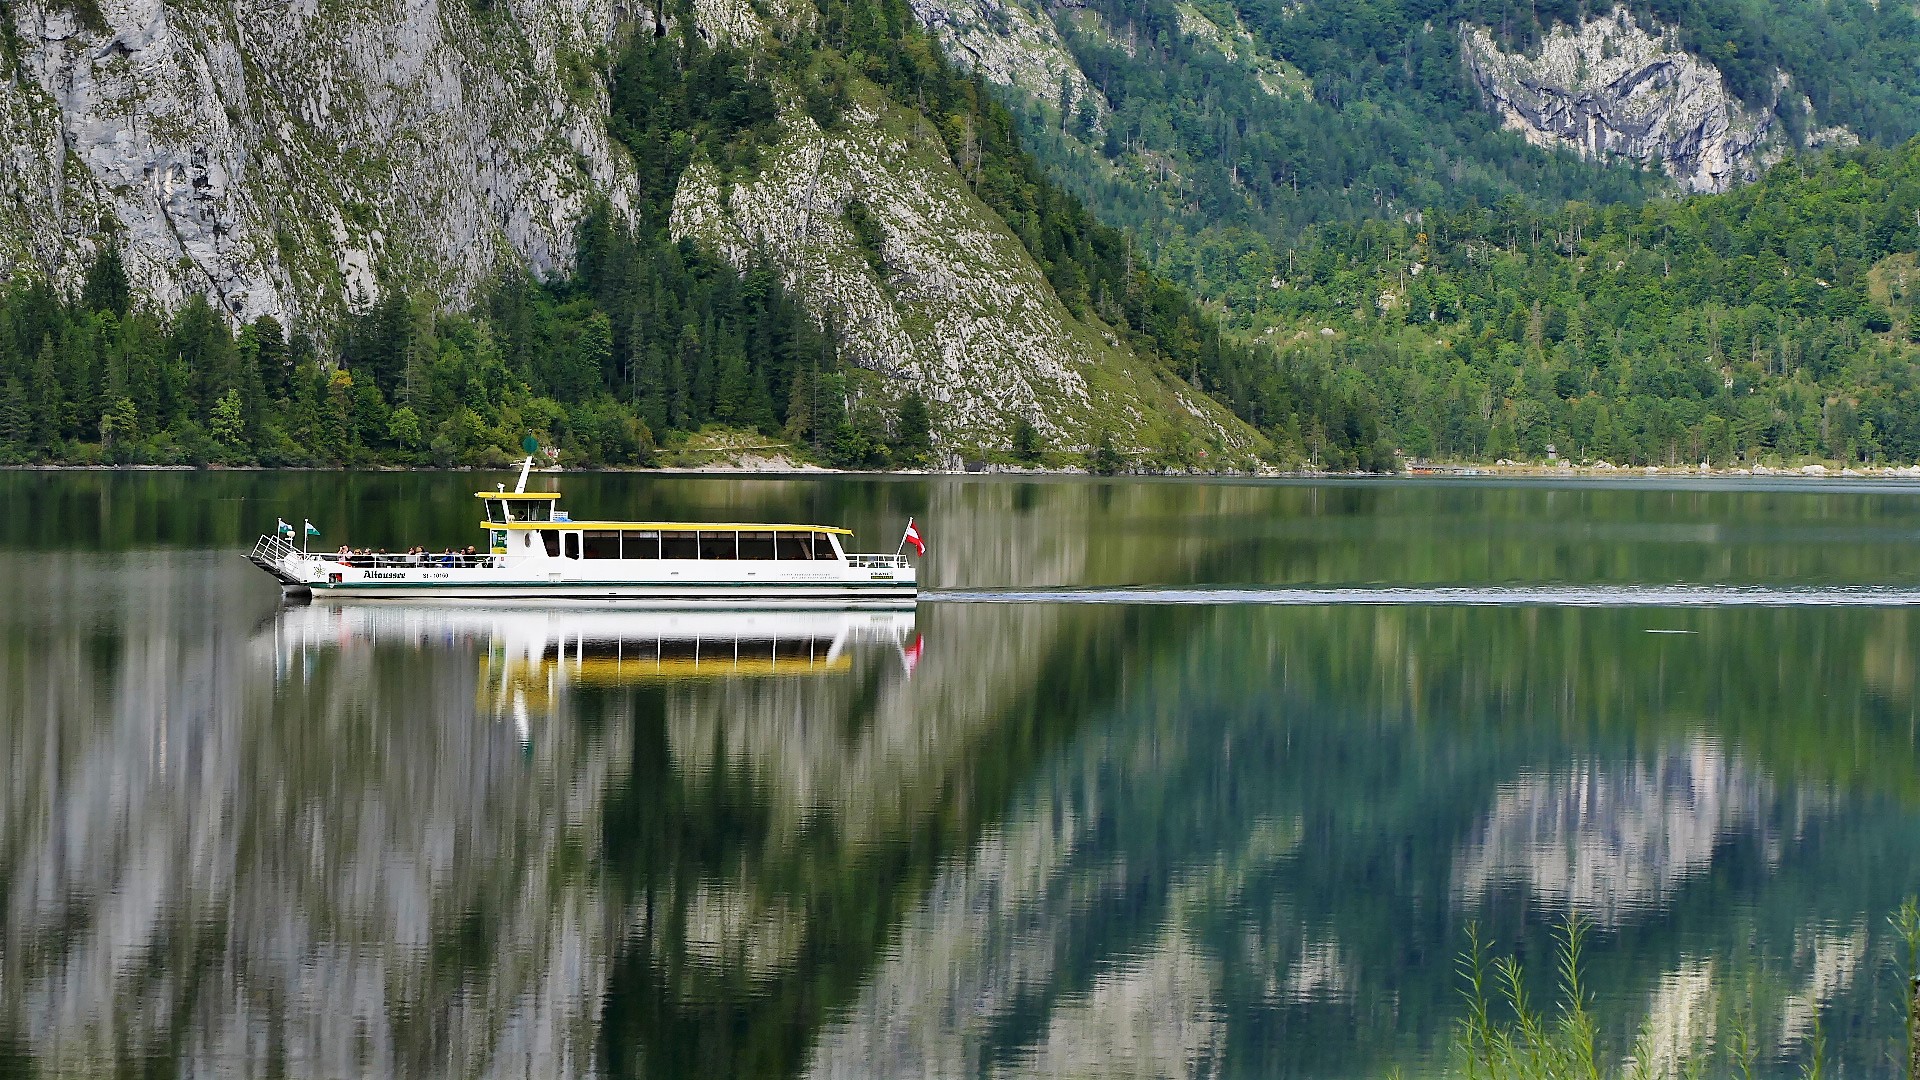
<point x="1007" y="839"/>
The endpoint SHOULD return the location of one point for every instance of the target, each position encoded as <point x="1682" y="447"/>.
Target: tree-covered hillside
<point x="1775" y="320"/>
<point x="649" y="337"/>
<point x="1218" y="164"/>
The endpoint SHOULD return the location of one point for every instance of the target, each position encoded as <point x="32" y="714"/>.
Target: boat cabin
<point x="529" y="524"/>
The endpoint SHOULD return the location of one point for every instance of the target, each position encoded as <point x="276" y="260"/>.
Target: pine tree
<point x="913" y="431"/>
<point x="120" y="429"/>
<point x="799" y="427"/>
<point x="1026" y="441"/>
<point x="732" y="396"/>
<point x="591" y="360"/>
<point x="207" y="355"/>
<point x="272" y="356"/>
<point x="45" y="403"/>
<point x="650" y="385"/>
<point x="336" y="418"/>
<point x="107" y="287"/>
<point x="16" y="425"/>
<point x="228" y="424"/>
<point x="80" y="416"/>
<point x="680" y="409"/>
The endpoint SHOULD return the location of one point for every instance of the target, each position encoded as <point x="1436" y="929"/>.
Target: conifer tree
<point x="228" y="425"/>
<point x="107" y="288"/>
<point x="1026" y="441"/>
<point x="120" y="430"/>
<point x="16" y="426"/>
<point x="732" y="396"/>
<point x="912" y="431"/>
<point x="45" y="403"/>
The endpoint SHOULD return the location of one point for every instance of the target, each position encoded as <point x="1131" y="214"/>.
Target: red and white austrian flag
<point x="913" y="537"/>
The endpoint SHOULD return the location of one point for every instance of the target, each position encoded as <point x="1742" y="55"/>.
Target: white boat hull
<point x="662" y="584"/>
<point x="660" y="596"/>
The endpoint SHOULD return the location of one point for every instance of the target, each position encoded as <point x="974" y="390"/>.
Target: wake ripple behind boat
<point x="1459" y="596"/>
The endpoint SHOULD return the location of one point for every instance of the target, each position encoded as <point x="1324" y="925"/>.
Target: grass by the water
<point x="1506" y="1036"/>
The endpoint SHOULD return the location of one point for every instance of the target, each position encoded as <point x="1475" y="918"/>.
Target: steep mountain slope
<point x="1611" y="89"/>
<point x="290" y="166"/>
<point x="283" y="159"/>
<point x="874" y="227"/>
<point x="1220" y="129"/>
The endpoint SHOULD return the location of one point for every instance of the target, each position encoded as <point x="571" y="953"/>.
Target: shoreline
<point x="1420" y="471"/>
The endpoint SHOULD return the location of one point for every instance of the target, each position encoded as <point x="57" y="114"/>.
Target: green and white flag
<point x="311" y="531"/>
<point x="284" y="529"/>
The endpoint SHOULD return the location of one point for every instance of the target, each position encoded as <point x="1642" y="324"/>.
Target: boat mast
<point x="525" y="467"/>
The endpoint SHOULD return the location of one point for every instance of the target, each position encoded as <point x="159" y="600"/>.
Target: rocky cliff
<point x="1015" y="45"/>
<point x="1012" y="44"/>
<point x="283" y="158"/>
<point x="951" y="302"/>
<point x="1610" y="88"/>
<point x="292" y="161"/>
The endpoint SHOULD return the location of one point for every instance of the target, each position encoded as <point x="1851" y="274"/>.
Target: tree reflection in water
<point x="1054" y="839"/>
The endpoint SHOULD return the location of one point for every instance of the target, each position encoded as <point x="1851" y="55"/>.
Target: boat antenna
<point x="532" y="446"/>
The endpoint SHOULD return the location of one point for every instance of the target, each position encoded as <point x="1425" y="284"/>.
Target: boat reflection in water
<point x="531" y="659"/>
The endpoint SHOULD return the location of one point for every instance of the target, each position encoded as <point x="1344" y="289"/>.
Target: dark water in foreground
<point x="1077" y="817"/>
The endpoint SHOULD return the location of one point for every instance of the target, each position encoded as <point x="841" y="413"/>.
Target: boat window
<point x="679" y="545"/>
<point x="756" y="545"/>
<point x="602" y="545"/>
<point x="717" y="545"/>
<point x="570" y="544"/>
<point x="823" y="546"/>
<point x="792" y="545"/>
<point x="496" y="510"/>
<point x="551" y="538"/>
<point x="530" y="510"/>
<point x="640" y="545"/>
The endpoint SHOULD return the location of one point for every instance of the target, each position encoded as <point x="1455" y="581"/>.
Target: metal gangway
<point x="277" y="557"/>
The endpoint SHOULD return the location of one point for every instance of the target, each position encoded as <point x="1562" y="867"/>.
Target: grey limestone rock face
<point x="289" y="158"/>
<point x="1611" y="88"/>
<point x="1010" y="43"/>
<point x="951" y="304"/>
<point x="279" y="158"/>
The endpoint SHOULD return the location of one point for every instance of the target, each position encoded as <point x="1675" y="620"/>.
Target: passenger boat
<point x="535" y="551"/>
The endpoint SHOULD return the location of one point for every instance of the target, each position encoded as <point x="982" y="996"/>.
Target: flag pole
<point x="902" y="549"/>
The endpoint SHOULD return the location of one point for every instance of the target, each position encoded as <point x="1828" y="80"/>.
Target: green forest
<point x="648" y="338"/>
<point x="1384" y="275"/>
<point x="1773" y="322"/>
<point x="1483" y="299"/>
<point x="1200" y="158"/>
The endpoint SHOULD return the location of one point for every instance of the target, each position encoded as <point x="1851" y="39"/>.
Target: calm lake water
<point x="1012" y="833"/>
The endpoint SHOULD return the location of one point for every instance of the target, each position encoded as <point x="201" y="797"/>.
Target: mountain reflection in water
<point x="1613" y="842"/>
<point x="1029" y="839"/>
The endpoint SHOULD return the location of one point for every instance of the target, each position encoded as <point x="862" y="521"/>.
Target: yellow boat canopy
<point x="665" y="526"/>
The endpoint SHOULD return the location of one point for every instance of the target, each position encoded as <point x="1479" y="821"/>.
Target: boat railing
<point x="417" y="560"/>
<point x="270" y="553"/>
<point x="877" y="562"/>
